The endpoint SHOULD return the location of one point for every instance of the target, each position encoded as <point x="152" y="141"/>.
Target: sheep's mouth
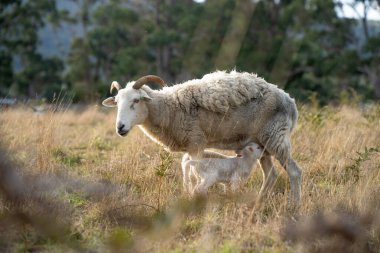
<point x="122" y="133"/>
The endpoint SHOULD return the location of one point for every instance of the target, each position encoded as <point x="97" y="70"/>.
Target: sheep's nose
<point x="120" y="129"/>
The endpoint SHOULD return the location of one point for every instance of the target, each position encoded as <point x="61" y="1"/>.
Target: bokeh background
<point x="68" y="183"/>
<point x="324" y="49"/>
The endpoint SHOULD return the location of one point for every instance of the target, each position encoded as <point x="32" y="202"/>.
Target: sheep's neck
<point x="245" y="163"/>
<point x="158" y="121"/>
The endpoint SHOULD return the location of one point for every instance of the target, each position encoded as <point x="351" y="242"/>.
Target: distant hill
<point x="56" y="41"/>
<point x="373" y="30"/>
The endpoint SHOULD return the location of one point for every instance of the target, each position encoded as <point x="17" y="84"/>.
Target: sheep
<point x="209" y="171"/>
<point x="222" y="110"/>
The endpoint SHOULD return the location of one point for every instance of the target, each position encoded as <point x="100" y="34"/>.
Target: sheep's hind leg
<point x="269" y="175"/>
<point x="294" y="172"/>
<point x="295" y="176"/>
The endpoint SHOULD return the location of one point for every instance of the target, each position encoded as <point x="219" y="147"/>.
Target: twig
<point x="134" y="205"/>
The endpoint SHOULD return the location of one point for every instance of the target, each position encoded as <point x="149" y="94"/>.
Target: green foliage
<point x="372" y="113"/>
<point x="66" y="158"/>
<point x="77" y="199"/>
<point x="43" y="71"/>
<point x="120" y="240"/>
<point x="166" y="159"/>
<point x="6" y="72"/>
<point x="228" y="247"/>
<point x="353" y="170"/>
<point x="302" y="46"/>
<point x="318" y="117"/>
<point x="100" y="144"/>
<point x="20" y="22"/>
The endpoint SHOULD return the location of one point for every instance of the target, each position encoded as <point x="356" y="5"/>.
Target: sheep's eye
<point x="135" y="101"/>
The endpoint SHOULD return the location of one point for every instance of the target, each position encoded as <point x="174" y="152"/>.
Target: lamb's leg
<point x="269" y="175"/>
<point x="203" y="186"/>
<point x="186" y="173"/>
<point x="196" y="189"/>
<point x="193" y="173"/>
<point x="224" y="187"/>
<point x="235" y="185"/>
<point x="195" y="154"/>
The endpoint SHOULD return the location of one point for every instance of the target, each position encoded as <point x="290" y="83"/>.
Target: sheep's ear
<point x="145" y="97"/>
<point x="109" y="102"/>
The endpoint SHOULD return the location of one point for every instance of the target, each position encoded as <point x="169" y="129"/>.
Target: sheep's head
<point x="131" y="103"/>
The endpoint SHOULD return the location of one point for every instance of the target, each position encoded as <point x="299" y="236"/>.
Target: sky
<point x="347" y="11"/>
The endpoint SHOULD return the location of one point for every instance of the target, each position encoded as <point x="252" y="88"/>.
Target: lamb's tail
<point x="186" y="161"/>
<point x="185" y="158"/>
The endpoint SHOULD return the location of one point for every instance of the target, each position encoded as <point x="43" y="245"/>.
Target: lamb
<point x="209" y="171"/>
<point x="222" y="110"/>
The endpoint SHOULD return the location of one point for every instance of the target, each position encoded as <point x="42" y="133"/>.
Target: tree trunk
<point x="376" y="83"/>
<point x="374" y="78"/>
<point x="164" y="52"/>
<point x="365" y="20"/>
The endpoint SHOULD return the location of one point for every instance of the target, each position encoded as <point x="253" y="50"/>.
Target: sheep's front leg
<point x="269" y="175"/>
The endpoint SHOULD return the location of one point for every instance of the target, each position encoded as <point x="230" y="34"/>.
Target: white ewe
<point x="222" y="110"/>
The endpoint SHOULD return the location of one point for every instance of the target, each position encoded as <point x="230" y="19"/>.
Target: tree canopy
<point x="302" y="46"/>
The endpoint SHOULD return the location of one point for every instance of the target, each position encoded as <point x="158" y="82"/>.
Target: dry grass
<point x="124" y="194"/>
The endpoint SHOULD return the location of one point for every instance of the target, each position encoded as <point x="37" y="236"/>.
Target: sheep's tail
<point x="293" y="115"/>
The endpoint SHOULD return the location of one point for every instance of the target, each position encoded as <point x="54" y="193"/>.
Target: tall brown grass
<point x="125" y="194"/>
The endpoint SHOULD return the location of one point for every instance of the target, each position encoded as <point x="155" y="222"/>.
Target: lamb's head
<point x="252" y="150"/>
<point x="131" y="103"/>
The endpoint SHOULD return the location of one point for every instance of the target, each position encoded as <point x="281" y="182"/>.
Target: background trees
<point x="21" y="64"/>
<point x="303" y="46"/>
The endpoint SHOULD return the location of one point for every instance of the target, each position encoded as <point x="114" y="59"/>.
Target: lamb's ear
<point x="109" y="102"/>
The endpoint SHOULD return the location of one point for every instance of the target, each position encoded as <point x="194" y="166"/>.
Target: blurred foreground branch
<point x="23" y="207"/>
<point x="334" y="232"/>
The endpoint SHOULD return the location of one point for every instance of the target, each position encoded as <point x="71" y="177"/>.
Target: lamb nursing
<point x="231" y="170"/>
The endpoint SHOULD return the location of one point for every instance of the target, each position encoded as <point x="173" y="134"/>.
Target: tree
<point x="20" y="21"/>
<point x="113" y="36"/>
<point x="367" y="50"/>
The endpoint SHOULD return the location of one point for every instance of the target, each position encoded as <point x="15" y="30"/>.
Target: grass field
<point x="79" y="187"/>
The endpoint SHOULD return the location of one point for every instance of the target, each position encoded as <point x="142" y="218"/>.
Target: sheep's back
<point x="220" y="91"/>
